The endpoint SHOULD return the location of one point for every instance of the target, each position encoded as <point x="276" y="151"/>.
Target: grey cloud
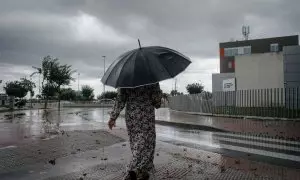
<point x="31" y="29"/>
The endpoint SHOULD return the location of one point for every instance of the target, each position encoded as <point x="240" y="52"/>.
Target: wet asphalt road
<point x="31" y="124"/>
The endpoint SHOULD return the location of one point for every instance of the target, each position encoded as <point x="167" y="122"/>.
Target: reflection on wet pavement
<point x="278" y="129"/>
<point x="28" y="126"/>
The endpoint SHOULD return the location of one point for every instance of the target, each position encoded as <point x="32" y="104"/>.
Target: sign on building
<point x="229" y="84"/>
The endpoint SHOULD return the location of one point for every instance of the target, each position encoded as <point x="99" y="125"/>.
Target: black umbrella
<point x="145" y="65"/>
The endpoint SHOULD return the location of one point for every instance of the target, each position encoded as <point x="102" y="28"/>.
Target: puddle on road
<point x="13" y="116"/>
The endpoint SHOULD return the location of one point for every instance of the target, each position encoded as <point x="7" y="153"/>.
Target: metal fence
<point x="277" y="102"/>
<point x="192" y="103"/>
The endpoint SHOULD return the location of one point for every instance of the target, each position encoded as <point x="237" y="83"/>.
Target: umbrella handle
<point x="139" y="43"/>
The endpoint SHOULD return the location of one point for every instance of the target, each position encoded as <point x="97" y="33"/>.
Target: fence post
<point x="243" y="102"/>
<point x="276" y="101"/>
<point x="282" y="102"/>
<point x="255" y="102"/>
<point x="297" y="103"/>
<point x="293" y="97"/>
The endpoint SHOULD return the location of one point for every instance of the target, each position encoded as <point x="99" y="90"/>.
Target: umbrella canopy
<point x="146" y="65"/>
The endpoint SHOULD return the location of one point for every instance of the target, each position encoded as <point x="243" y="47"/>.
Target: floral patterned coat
<point x="140" y="105"/>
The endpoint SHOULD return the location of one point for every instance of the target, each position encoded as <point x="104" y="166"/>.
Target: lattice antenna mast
<point x="246" y="32"/>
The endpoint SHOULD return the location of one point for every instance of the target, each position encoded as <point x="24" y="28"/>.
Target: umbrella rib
<point x="122" y="71"/>
<point x="116" y="65"/>
<point x="164" y="67"/>
<point x="166" y="70"/>
<point x="132" y="78"/>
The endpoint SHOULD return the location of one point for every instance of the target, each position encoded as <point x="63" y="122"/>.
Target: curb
<point x="189" y="126"/>
<point x="237" y="116"/>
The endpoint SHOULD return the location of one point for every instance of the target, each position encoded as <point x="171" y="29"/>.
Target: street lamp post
<point x="104" y="73"/>
<point x="100" y="101"/>
<point x="78" y="81"/>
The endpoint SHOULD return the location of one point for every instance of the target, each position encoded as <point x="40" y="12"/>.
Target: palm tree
<point x="38" y="71"/>
<point x="49" y="65"/>
<point x="62" y="76"/>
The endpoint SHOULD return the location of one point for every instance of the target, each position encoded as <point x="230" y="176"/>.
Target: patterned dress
<point x="140" y="121"/>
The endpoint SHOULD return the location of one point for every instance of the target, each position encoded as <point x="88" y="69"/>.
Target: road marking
<point x="275" y="146"/>
<point x="251" y="137"/>
<point x="8" y="147"/>
<point x="235" y="148"/>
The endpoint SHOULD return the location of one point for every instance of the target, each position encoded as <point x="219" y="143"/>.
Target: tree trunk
<point x="11" y="102"/>
<point x="30" y="102"/>
<point x="58" y="103"/>
<point x="46" y="102"/>
<point x="59" y="95"/>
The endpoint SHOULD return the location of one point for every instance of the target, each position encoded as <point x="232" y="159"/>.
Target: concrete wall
<point x="221" y="98"/>
<point x="4" y="100"/>
<point x="38" y="105"/>
<point x="217" y="81"/>
<point x="291" y="56"/>
<point x="88" y="104"/>
<point x="263" y="45"/>
<point x="259" y="71"/>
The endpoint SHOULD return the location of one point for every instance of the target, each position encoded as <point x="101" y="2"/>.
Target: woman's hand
<point x="111" y="123"/>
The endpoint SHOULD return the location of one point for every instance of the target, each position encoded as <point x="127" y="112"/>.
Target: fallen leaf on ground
<point x="52" y="161"/>
<point x="223" y="169"/>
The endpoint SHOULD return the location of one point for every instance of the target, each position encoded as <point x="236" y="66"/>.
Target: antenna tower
<point x="246" y="32"/>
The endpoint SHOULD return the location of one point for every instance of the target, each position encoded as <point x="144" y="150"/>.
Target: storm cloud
<point x="80" y="32"/>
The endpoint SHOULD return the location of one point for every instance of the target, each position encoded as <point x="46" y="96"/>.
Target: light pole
<point x="78" y="81"/>
<point x="104" y="73"/>
<point x="1" y="83"/>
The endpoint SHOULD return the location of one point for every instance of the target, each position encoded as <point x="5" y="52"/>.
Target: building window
<point x="247" y="50"/>
<point x="230" y="65"/>
<point x="274" y="47"/>
<point x="237" y="51"/>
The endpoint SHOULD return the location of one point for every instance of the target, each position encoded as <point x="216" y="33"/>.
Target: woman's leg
<point x="146" y="143"/>
<point x="142" y="138"/>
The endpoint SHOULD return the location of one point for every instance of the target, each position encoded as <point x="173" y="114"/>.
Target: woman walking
<point x="140" y="105"/>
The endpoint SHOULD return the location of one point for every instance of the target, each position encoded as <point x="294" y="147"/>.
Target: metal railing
<point x="277" y="102"/>
<point x="192" y="103"/>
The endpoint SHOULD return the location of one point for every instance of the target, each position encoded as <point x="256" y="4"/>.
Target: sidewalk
<point x="77" y="159"/>
<point x="278" y="129"/>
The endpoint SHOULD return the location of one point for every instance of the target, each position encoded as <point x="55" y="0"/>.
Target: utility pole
<point x="175" y="84"/>
<point x="78" y="80"/>
<point x="104" y="73"/>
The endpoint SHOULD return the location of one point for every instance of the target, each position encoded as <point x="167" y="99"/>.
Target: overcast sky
<point x="80" y="32"/>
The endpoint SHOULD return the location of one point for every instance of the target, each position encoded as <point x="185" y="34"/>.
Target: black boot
<point x="143" y="175"/>
<point x="131" y="175"/>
